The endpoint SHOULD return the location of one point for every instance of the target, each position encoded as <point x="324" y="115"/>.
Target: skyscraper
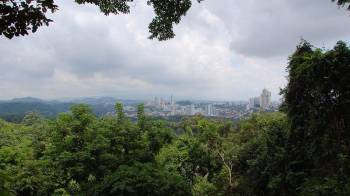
<point x="162" y="103"/>
<point x="156" y="101"/>
<point x="192" y="110"/>
<point x="254" y="102"/>
<point x="209" y="110"/>
<point x="265" y="99"/>
<point x="251" y="103"/>
<point x="172" y="101"/>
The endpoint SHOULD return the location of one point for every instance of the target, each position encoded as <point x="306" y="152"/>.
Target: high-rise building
<point x="257" y="101"/>
<point x="162" y="103"/>
<point x="172" y="101"/>
<point x="192" y="110"/>
<point x="209" y="110"/>
<point x="173" y="109"/>
<point x="254" y="102"/>
<point x="251" y="103"/>
<point x="265" y="99"/>
<point x="156" y="101"/>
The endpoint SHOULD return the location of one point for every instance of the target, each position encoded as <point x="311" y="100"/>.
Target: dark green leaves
<point x="108" y="6"/>
<point x="168" y="13"/>
<point x="342" y="2"/>
<point x="19" y="17"/>
<point x="143" y="179"/>
<point x="317" y="99"/>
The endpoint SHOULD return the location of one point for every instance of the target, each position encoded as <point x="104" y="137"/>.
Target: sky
<point x="223" y="50"/>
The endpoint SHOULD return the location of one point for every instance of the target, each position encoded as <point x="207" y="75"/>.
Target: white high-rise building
<point x="173" y="109"/>
<point x="254" y="102"/>
<point x="257" y="101"/>
<point x="192" y="110"/>
<point x="265" y="99"/>
<point x="209" y="110"/>
<point x="251" y="103"/>
<point x="156" y="101"/>
<point x="162" y="103"/>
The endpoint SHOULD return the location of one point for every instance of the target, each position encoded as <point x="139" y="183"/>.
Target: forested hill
<point x="14" y="110"/>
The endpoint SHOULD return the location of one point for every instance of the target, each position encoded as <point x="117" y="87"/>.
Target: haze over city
<point x="220" y="52"/>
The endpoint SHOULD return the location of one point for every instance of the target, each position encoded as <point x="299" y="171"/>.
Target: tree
<point x="4" y="179"/>
<point x="143" y="179"/>
<point x="158" y="136"/>
<point x="317" y="104"/>
<point x="260" y="157"/>
<point x="342" y="2"/>
<point x="71" y="152"/>
<point x="120" y="113"/>
<point x="193" y="155"/>
<point x="31" y="118"/>
<point x="202" y="187"/>
<point x="19" y="17"/>
<point x="141" y="117"/>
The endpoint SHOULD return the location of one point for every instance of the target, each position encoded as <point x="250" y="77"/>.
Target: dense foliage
<point x="80" y="154"/>
<point x="15" y="111"/>
<point x="317" y="101"/>
<point x="303" y="150"/>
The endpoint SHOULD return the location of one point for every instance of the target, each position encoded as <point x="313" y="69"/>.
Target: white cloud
<point x="228" y="50"/>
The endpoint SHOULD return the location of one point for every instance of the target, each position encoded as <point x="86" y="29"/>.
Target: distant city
<point x="163" y="107"/>
<point x="15" y="109"/>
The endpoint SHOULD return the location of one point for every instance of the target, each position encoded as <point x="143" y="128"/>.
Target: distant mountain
<point x="26" y="100"/>
<point x="107" y="101"/>
<point x="96" y="101"/>
<point x="15" y="109"/>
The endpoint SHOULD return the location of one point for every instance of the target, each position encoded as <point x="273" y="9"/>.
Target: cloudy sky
<point x="223" y="50"/>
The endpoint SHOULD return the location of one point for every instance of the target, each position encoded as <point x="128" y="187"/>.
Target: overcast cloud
<point x="223" y="50"/>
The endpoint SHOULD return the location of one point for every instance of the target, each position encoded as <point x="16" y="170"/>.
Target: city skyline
<point x="167" y="106"/>
<point x="147" y="98"/>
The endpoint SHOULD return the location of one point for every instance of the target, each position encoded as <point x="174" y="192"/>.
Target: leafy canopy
<point x="19" y="17"/>
<point x="317" y="104"/>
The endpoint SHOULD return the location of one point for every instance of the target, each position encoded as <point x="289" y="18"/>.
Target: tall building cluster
<point x="163" y="107"/>
<point x="236" y="110"/>
<point x="161" y="103"/>
<point x="170" y="108"/>
<point x="263" y="101"/>
<point x="210" y="110"/>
